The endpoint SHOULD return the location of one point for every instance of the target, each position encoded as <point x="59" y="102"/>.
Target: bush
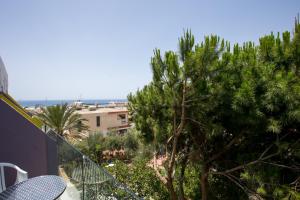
<point x="140" y="178"/>
<point x="131" y="141"/>
<point x="144" y="152"/>
<point x="93" y="146"/>
<point x="114" y="142"/>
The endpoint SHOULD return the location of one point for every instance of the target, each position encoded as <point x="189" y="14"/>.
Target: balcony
<point x="24" y="144"/>
<point x="85" y="179"/>
<point x="124" y="121"/>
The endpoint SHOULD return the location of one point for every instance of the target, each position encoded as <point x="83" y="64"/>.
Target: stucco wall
<point x="107" y="120"/>
<point x="3" y="78"/>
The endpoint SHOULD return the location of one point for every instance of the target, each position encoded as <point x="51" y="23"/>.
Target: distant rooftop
<point x="102" y="110"/>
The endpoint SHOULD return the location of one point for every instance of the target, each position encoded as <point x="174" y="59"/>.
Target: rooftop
<point x="102" y="110"/>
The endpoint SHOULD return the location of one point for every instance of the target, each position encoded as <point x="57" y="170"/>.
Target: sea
<point x="35" y="103"/>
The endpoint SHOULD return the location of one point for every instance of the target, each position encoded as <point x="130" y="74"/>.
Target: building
<point x="3" y="78"/>
<point x="106" y="119"/>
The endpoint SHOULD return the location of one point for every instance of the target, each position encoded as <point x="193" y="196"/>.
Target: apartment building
<point x="106" y="119"/>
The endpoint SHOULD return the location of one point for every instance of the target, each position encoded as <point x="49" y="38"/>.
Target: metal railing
<point x="87" y="180"/>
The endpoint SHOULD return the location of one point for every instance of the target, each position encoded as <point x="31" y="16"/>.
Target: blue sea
<point x="33" y="103"/>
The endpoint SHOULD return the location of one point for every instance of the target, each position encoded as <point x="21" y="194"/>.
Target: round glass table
<point x="38" y="188"/>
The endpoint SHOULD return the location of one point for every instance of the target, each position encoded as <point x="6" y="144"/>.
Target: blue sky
<point x="93" y="49"/>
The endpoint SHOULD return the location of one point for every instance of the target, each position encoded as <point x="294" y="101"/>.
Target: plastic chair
<point x="21" y="175"/>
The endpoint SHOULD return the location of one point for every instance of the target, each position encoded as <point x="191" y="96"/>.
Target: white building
<point x="3" y="78"/>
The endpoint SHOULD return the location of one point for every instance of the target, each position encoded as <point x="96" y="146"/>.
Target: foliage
<point x="131" y="141"/>
<point x="191" y="182"/>
<point x="96" y="143"/>
<point x="229" y="110"/>
<point x="114" y="141"/>
<point x="144" y="152"/>
<point x="62" y="118"/>
<point x="140" y="178"/>
<point x="137" y="175"/>
<point x="93" y="146"/>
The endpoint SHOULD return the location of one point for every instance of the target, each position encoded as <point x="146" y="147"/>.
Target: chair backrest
<point x="21" y="175"/>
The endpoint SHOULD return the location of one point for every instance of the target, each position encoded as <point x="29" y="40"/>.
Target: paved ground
<point x="71" y="193"/>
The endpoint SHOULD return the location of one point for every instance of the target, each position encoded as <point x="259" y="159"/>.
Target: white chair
<point x="21" y="175"/>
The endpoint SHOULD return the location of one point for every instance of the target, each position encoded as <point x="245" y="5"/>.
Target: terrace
<point x="24" y="144"/>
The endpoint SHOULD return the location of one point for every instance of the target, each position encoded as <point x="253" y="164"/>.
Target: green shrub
<point x="140" y="178"/>
<point x="131" y="141"/>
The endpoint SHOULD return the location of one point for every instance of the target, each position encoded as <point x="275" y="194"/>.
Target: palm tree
<point x="62" y="118"/>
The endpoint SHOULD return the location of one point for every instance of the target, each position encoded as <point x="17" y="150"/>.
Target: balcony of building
<point x="24" y="144"/>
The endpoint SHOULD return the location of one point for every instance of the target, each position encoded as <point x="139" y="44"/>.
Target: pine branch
<point x="281" y="165"/>
<point x="226" y="148"/>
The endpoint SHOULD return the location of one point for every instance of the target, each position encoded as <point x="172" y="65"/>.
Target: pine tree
<point x="234" y="113"/>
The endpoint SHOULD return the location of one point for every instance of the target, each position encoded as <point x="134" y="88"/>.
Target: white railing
<point x="123" y="121"/>
<point x="3" y="78"/>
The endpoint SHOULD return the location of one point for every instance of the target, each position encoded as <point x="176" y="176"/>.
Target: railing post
<point x="82" y="176"/>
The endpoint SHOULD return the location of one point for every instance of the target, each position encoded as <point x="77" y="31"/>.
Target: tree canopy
<point x="230" y="112"/>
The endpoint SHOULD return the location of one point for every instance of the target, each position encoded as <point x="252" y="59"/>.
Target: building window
<point x="79" y="126"/>
<point x="122" y="117"/>
<point x="98" y="121"/>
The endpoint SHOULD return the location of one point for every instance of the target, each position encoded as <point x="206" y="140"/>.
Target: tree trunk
<point x="176" y="133"/>
<point x="181" y="177"/>
<point x="171" y="169"/>
<point x="171" y="190"/>
<point x="204" y="182"/>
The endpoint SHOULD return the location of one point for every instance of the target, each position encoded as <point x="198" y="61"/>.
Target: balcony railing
<point x="86" y="179"/>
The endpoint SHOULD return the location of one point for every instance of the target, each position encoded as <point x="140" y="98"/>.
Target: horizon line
<point x="72" y="99"/>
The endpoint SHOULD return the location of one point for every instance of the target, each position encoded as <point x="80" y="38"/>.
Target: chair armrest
<point x="12" y="166"/>
<point x="21" y="174"/>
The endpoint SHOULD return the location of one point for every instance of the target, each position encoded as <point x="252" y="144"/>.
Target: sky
<point x="94" y="49"/>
